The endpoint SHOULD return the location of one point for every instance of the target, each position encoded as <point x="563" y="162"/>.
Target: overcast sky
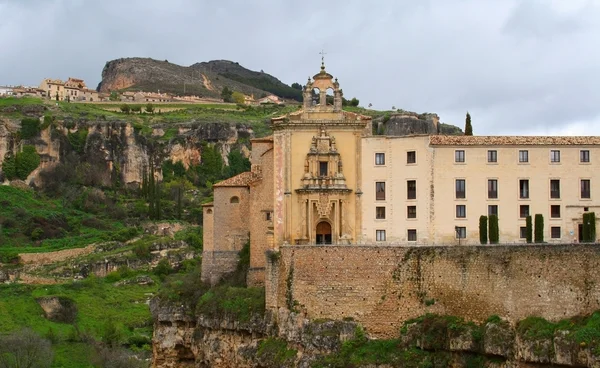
<point x="518" y="66"/>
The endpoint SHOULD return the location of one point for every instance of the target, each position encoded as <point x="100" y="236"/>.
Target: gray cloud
<point x="518" y="66"/>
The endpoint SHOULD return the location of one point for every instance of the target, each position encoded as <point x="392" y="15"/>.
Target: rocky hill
<point x="205" y="79"/>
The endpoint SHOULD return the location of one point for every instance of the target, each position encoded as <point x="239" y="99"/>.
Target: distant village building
<point x="6" y="91"/>
<point x="74" y="89"/>
<point x="270" y="99"/>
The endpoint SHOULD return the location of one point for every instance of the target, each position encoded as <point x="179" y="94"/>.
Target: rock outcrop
<point x="205" y="79"/>
<point x="410" y="123"/>
<point x="117" y="149"/>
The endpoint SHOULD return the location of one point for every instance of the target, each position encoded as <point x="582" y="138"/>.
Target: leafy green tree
<point x="494" y="229"/>
<point x="26" y="161"/>
<point x="237" y="164"/>
<point x="468" y="127"/>
<point x="25" y="348"/>
<point x="136" y="108"/>
<point x="539" y="228"/>
<point x="114" y="96"/>
<point x="150" y="108"/>
<point x="226" y="94"/>
<point x="9" y="166"/>
<point x="528" y="229"/>
<point x="211" y="168"/>
<point x="125" y="108"/>
<point x="297" y="86"/>
<point x="237" y="97"/>
<point x="483" y="229"/>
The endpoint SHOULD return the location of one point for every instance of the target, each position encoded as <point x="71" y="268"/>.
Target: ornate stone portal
<point x="322" y="194"/>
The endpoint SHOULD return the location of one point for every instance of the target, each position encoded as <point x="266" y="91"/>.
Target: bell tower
<point x="317" y="174"/>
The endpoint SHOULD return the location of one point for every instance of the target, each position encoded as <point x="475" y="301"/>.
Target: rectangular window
<point x="586" y="188"/>
<point x="523" y="232"/>
<point x="411" y="189"/>
<point x="268" y="216"/>
<point x="492" y="188"/>
<point x="411" y="211"/>
<point x="584" y="156"/>
<point x="555" y="211"/>
<point x="493" y="209"/>
<point x="380" y="159"/>
<point x="460" y="188"/>
<point x="524" y="188"/>
<point x="523" y="210"/>
<point x="461" y="232"/>
<point x="380" y="235"/>
<point x="523" y="156"/>
<point x="459" y="156"/>
<point x="461" y="211"/>
<point x="555" y="188"/>
<point x="323" y="168"/>
<point x="380" y="213"/>
<point x="380" y="191"/>
<point x="412" y="234"/>
<point x="411" y="157"/>
<point x="555" y="232"/>
<point x="492" y="156"/>
<point x="554" y="156"/>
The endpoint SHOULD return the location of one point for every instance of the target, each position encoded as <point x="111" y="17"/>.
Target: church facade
<point x="323" y="178"/>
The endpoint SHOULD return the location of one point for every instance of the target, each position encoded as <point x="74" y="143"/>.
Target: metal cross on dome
<point x="322" y="53"/>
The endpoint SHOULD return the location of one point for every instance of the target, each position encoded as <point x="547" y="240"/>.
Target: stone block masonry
<point x="383" y="286"/>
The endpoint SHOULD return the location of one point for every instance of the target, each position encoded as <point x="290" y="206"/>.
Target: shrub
<point x="163" y="268"/>
<point x="528" y="229"/>
<point x="275" y="352"/>
<point x="142" y="251"/>
<point x="26" y="161"/>
<point x="483" y="226"/>
<point x="30" y="128"/>
<point x="539" y="228"/>
<point x="25" y="348"/>
<point x="494" y="230"/>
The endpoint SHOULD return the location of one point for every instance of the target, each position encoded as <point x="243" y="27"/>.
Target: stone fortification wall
<point x="382" y="286"/>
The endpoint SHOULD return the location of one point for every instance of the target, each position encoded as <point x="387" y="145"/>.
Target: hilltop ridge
<point x="205" y="79"/>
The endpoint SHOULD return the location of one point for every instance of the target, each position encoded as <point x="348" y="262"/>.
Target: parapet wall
<point x="382" y="286"/>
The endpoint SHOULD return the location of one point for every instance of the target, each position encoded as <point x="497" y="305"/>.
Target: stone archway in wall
<point x="323" y="233"/>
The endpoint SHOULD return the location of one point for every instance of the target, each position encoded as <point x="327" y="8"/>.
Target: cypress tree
<point x="494" y="230"/>
<point x="179" y="202"/>
<point x="529" y="229"/>
<point x="468" y="126"/>
<point x="585" y="228"/>
<point x="539" y="228"/>
<point x="157" y="204"/>
<point x="483" y="226"/>
<point x="592" y="217"/>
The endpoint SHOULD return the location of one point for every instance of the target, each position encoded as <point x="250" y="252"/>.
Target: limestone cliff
<point x="205" y="79"/>
<point x="410" y="123"/>
<point x="119" y="150"/>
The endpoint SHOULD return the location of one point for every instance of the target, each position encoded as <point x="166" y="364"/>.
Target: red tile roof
<point x="464" y="140"/>
<point x="242" y="180"/>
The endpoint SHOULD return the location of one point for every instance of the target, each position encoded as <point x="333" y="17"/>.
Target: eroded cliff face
<point x="184" y="340"/>
<point x="117" y="149"/>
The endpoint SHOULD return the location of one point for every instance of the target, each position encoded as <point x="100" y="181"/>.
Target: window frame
<point x="492" y="188"/>
<point x="380" y="235"/>
<point x="411" y="193"/>
<point x="492" y="156"/>
<point x="552" y="232"/>
<point x="522" y="232"/>
<point x="411" y="157"/>
<point x="490" y="206"/>
<point x="410" y="232"/>
<point x="379" y="158"/>
<point x="584" y="156"/>
<point x="380" y="188"/>
<point x="409" y="213"/>
<point x="460" y="232"/>
<point x="553" y="211"/>
<point x="380" y="212"/>
<point x="459" y="156"/>
<point x="555" y="156"/>
<point x="461" y="211"/>
<point x="523" y="192"/>
<point x="523" y="156"/>
<point x="323" y="165"/>
<point x="588" y="193"/>
<point x="521" y="207"/>
<point x="555" y="193"/>
<point x="460" y="194"/>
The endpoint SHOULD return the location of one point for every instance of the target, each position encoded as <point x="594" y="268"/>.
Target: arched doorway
<point x="323" y="233"/>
